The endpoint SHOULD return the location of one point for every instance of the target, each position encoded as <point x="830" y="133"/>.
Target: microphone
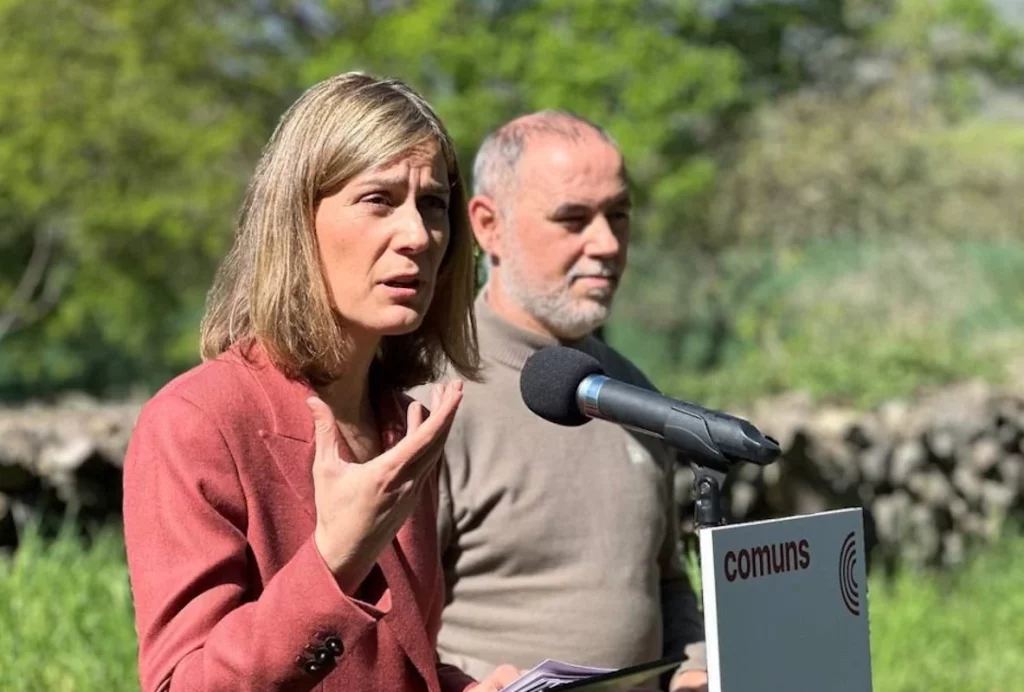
<point x="569" y="387"/>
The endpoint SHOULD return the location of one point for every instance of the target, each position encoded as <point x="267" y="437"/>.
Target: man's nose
<point x="601" y="239"/>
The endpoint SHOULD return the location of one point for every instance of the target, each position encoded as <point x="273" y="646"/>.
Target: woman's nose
<point x="411" y="236"/>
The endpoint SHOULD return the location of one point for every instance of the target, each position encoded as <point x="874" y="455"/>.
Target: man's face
<point x="564" y="232"/>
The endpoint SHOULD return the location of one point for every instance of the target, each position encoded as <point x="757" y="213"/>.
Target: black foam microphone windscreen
<point x="549" y="380"/>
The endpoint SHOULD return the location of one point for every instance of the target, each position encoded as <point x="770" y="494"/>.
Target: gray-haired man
<point x="557" y="542"/>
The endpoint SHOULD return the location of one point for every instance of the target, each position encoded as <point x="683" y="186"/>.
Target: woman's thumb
<point x="323" y="424"/>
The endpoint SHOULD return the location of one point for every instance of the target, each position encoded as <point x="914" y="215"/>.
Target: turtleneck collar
<point x="507" y="343"/>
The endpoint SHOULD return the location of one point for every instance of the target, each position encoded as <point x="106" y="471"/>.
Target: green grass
<point x="66" y="616"/>
<point x="66" y="622"/>
<point x="962" y="633"/>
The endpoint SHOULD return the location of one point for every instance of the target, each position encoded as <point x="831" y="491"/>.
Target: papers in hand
<point x="566" y="676"/>
<point x="550" y="674"/>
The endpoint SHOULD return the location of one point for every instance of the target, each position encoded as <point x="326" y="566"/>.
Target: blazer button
<point x="333" y="644"/>
<point x="311" y="667"/>
<point x="321" y="656"/>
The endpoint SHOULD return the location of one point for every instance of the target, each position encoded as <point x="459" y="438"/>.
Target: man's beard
<point x="554" y="306"/>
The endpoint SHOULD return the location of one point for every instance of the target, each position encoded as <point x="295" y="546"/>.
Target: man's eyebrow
<point x="573" y="208"/>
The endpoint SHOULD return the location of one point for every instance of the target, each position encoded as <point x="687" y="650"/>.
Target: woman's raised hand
<point x="360" y="507"/>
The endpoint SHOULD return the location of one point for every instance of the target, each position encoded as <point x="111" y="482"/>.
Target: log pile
<point x="56" y="460"/>
<point x="935" y="477"/>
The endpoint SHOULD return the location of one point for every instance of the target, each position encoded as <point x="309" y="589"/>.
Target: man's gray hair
<point x="497" y="159"/>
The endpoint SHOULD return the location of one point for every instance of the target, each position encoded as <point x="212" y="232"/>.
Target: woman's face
<point x="382" y="238"/>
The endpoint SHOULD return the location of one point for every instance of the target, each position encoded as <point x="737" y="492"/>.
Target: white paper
<point x="550" y="673"/>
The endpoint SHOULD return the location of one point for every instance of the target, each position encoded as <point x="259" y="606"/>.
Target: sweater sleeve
<point x="445" y="507"/>
<point x="452" y="679"/>
<point x="683" y="623"/>
<point x="199" y="626"/>
<point x="445" y="512"/>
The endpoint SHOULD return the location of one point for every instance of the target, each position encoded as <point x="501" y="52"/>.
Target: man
<point x="557" y="542"/>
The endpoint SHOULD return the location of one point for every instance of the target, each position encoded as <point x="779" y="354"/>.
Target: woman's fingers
<point x="419" y="449"/>
<point x="500" y="678"/>
<point x="324" y="427"/>
<point x="444" y="402"/>
<point x="413" y="417"/>
<point x="441" y="416"/>
<point x="435" y="396"/>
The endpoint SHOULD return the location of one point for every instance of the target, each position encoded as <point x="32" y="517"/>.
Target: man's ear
<point x="486" y="223"/>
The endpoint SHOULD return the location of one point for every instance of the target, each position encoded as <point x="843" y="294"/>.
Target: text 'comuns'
<point x="763" y="560"/>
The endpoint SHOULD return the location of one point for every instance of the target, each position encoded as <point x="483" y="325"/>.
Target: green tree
<point x="647" y="71"/>
<point x="893" y="150"/>
<point x="126" y="132"/>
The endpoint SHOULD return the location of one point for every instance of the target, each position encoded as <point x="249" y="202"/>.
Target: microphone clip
<point x="707" y="487"/>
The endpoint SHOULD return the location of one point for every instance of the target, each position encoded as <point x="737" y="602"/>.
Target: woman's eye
<point x="433" y="202"/>
<point x="377" y="199"/>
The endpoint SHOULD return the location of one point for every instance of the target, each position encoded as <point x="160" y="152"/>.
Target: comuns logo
<point x="849" y="590"/>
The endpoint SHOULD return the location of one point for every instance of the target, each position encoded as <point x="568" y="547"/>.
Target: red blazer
<point x="230" y="591"/>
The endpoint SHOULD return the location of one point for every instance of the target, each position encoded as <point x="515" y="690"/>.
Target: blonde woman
<point x="280" y="498"/>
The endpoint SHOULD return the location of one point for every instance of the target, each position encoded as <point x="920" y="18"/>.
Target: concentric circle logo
<point x="848" y="587"/>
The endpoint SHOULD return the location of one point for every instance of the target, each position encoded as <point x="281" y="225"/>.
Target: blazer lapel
<point x="404" y="619"/>
<point x="288" y="432"/>
<point x="294" y="460"/>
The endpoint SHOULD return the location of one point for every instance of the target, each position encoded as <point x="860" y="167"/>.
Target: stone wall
<point x="936" y="475"/>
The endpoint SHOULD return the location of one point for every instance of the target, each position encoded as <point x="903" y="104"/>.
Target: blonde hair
<point x="270" y="289"/>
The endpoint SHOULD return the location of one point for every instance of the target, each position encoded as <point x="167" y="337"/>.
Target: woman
<point x="280" y="498"/>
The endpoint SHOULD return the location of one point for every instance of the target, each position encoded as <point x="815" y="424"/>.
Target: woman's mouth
<point x="403" y="286"/>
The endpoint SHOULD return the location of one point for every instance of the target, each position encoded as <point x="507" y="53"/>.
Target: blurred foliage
<point x="66" y="618"/>
<point x="126" y="132"/>
<point x="849" y="320"/>
<point x="862" y="322"/>
<point x="129" y="129"/>
<point x="857" y="242"/>
<point x="752" y="130"/>
<point x="648" y="71"/>
<point x="951" y="632"/>
<point x="869" y="165"/>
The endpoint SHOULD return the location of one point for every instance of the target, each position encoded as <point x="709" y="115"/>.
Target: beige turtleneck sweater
<point x="557" y="542"/>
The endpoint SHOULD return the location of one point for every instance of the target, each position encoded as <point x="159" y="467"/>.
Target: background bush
<point x="818" y="183"/>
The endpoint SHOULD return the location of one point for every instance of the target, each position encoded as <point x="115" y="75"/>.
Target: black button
<point x="321" y="656"/>
<point x="311" y="667"/>
<point x="333" y="644"/>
